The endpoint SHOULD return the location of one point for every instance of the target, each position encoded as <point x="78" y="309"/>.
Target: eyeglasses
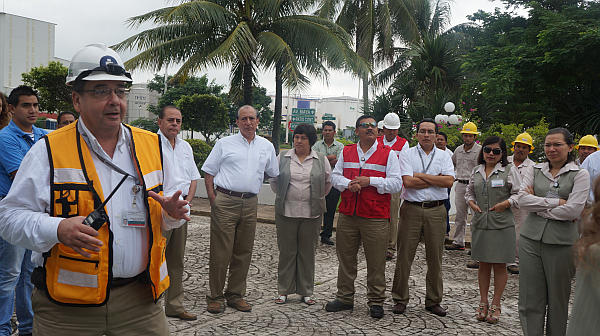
<point x="367" y="125"/>
<point x="104" y="92"/>
<point x="496" y="151"/>
<point x="550" y="145"/>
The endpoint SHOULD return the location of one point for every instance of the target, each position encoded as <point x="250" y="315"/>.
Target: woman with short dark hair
<point x="555" y="193"/>
<point x="491" y="193"/>
<point x="304" y="180"/>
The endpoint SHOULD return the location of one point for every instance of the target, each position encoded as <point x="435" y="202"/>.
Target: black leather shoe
<point x="337" y="305"/>
<point x="437" y="310"/>
<point x="327" y="241"/>
<point x="376" y="311"/>
<point x="399" y="308"/>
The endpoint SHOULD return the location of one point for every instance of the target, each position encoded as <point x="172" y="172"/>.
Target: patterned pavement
<point x="460" y="297"/>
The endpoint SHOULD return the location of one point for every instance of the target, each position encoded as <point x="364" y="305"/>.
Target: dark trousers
<point x="331" y="201"/>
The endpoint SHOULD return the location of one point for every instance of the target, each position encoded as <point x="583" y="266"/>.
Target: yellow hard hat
<point x="524" y="138"/>
<point x="469" y="128"/>
<point x="589" y="141"/>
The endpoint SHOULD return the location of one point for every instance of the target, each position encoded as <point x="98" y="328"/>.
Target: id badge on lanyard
<point x="134" y="216"/>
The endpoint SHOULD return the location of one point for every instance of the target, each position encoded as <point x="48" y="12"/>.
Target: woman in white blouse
<point x="303" y="181"/>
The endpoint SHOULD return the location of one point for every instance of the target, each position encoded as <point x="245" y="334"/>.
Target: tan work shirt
<point x="464" y="161"/>
<point x="521" y="168"/>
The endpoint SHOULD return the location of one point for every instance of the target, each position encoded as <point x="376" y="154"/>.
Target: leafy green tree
<point x="179" y="88"/>
<point x="149" y="124"/>
<point x="49" y="81"/>
<point x="204" y="113"/>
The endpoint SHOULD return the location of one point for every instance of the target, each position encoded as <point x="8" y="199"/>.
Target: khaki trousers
<point x="297" y="242"/>
<point x="232" y="228"/>
<point x="417" y="222"/>
<point x="130" y="310"/>
<point x="371" y="232"/>
<point x="461" y="213"/>
<point x="544" y="286"/>
<point x="174" y="254"/>
<point x="394" y="217"/>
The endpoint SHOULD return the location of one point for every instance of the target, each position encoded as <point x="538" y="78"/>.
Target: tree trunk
<point x="278" y="103"/>
<point x="247" y="84"/>
<point x="365" y="94"/>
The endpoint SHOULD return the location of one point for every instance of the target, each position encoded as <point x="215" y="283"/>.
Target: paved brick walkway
<point x="460" y="297"/>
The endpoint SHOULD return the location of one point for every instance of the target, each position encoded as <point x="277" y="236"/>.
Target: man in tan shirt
<point x="464" y="160"/>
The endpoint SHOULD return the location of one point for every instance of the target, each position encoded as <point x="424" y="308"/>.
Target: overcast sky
<point x="80" y="22"/>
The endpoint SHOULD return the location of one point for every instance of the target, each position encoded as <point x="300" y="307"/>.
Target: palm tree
<point x="247" y="35"/>
<point x="425" y="71"/>
<point x="370" y="22"/>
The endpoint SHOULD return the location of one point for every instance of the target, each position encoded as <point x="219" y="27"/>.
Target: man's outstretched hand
<point x="175" y="207"/>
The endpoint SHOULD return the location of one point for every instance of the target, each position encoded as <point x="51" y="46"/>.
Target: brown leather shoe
<point x="399" y="308"/>
<point x="473" y="264"/>
<point x="437" y="310"/>
<point x="184" y="316"/>
<point x="513" y="269"/>
<point x="240" y="304"/>
<point x="215" y="307"/>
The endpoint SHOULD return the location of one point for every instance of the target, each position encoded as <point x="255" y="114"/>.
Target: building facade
<point x="24" y="43"/>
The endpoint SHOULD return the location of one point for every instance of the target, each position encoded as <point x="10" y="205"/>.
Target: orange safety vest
<point x="368" y="202"/>
<point x="75" y="189"/>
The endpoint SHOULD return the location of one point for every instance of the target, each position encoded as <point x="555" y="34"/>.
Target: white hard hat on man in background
<point x="391" y="121"/>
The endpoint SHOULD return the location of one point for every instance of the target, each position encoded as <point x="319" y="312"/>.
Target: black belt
<point x="430" y="204"/>
<point x="119" y="282"/>
<point x="235" y="193"/>
<point x="463" y="181"/>
<point x="38" y="278"/>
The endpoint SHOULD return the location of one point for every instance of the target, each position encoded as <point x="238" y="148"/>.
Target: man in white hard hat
<point x="391" y="124"/>
<point x="104" y="273"/>
<point x="380" y="128"/>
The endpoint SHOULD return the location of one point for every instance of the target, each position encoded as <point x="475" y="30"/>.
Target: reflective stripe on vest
<point x="368" y="202"/>
<point x="72" y="279"/>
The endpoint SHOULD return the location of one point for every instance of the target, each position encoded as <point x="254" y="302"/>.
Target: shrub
<point x="201" y="150"/>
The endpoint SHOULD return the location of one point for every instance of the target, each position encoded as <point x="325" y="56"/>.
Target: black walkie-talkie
<point x="98" y="217"/>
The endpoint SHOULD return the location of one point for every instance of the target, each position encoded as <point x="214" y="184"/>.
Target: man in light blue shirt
<point x="15" y="265"/>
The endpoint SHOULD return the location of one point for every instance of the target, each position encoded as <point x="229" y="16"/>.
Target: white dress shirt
<point x="178" y="165"/>
<point x="24" y="213"/>
<point x="592" y="165"/>
<point x="391" y="183"/>
<point x="241" y="166"/>
<point x="411" y="162"/>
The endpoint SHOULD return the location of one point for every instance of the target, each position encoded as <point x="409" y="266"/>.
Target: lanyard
<point x="110" y="164"/>
<point x="430" y="161"/>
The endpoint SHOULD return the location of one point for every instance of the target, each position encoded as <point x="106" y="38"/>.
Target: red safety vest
<point x="368" y="202"/>
<point x="397" y="146"/>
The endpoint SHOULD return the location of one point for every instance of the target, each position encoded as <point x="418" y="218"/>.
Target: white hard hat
<point x="380" y="124"/>
<point x="391" y="121"/>
<point x="96" y="62"/>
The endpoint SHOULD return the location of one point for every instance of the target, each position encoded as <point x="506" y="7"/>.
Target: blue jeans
<point x="15" y="279"/>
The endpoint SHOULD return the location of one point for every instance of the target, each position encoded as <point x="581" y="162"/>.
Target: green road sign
<point x="303" y="112"/>
<point x="303" y="119"/>
<point x="328" y="118"/>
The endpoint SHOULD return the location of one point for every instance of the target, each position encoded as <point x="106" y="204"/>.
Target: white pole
<point x="165" y="79"/>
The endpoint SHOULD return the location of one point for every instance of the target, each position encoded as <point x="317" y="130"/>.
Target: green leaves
<point x="204" y="113"/>
<point x="49" y="81"/>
